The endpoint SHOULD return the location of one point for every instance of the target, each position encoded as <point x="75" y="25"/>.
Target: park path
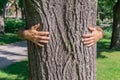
<point x="11" y="53"/>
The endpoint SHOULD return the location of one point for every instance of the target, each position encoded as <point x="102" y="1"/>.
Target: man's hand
<point x="95" y="35"/>
<point x="38" y="37"/>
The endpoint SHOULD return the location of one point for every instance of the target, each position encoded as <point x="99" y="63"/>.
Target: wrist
<point x="100" y="31"/>
<point x="21" y="33"/>
<point x="26" y="34"/>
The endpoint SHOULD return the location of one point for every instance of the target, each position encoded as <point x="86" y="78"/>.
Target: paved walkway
<point x="12" y="53"/>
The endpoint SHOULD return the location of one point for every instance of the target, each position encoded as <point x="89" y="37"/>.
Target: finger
<point x="43" y="41"/>
<point x="89" y="42"/>
<point x="41" y="38"/>
<point x="43" y="33"/>
<point x="45" y="38"/>
<point x="88" y="39"/>
<point x="91" y="29"/>
<point x="87" y="35"/>
<point x="35" y="27"/>
<point x="37" y="43"/>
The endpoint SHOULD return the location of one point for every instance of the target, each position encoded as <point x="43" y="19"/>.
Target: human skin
<point x="42" y="37"/>
<point x="93" y="37"/>
<point x="38" y="37"/>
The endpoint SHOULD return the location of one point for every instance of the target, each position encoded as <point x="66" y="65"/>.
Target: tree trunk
<point x="2" y="24"/>
<point x="115" y="40"/>
<point x="22" y="13"/>
<point x="2" y="16"/>
<point x="64" y="57"/>
<point x="16" y="10"/>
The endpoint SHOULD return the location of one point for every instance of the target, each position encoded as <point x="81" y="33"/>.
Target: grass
<point x="108" y="62"/>
<point x="8" y="38"/>
<point x="108" y="68"/>
<point x="16" y="71"/>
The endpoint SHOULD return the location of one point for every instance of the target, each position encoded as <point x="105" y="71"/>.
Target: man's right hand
<point x="38" y="37"/>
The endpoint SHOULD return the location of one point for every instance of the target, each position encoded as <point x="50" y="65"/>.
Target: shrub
<point x="107" y="32"/>
<point x="98" y="21"/>
<point x="12" y="25"/>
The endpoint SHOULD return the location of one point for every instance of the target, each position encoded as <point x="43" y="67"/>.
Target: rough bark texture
<point x="2" y="14"/>
<point x="65" y="57"/>
<point x="115" y="40"/>
<point x="1" y="24"/>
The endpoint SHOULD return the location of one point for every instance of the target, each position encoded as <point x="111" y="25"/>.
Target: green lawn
<point x="108" y="62"/>
<point x="108" y="68"/>
<point x="16" y="71"/>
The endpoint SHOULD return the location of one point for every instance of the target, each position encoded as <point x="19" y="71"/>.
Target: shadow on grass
<point x="8" y="38"/>
<point x="19" y="68"/>
<point x="103" y="46"/>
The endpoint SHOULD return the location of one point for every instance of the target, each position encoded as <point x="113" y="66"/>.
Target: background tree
<point x="105" y="9"/>
<point x="16" y="6"/>
<point x="65" y="57"/>
<point x="2" y="9"/>
<point x="115" y="40"/>
<point x="20" y="3"/>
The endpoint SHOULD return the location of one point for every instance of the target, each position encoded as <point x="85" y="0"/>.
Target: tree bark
<point x="2" y="16"/>
<point x="115" y="40"/>
<point x="2" y="24"/>
<point x="64" y="57"/>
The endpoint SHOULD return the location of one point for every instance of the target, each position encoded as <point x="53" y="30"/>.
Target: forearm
<point x="21" y="33"/>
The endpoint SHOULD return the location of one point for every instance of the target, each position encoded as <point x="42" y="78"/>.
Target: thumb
<point x="35" y="27"/>
<point x="91" y="29"/>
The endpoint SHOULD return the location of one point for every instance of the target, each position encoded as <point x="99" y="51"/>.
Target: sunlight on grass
<point x="5" y="76"/>
<point x="109" y="68"/>
<point x="108" y="62"/>
<point x="16" y="71"/>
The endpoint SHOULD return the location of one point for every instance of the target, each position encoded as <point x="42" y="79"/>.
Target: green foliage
<point x="16" y="71"/>
<point x="9" y="38"/>
<point x="2" y="5"/>
<point x="13" y="25"/>
<point x="99" y="21"/>
<point x="105" y="8"/>
<point x="107" y="32"/>
<point x="20" y="3"/>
